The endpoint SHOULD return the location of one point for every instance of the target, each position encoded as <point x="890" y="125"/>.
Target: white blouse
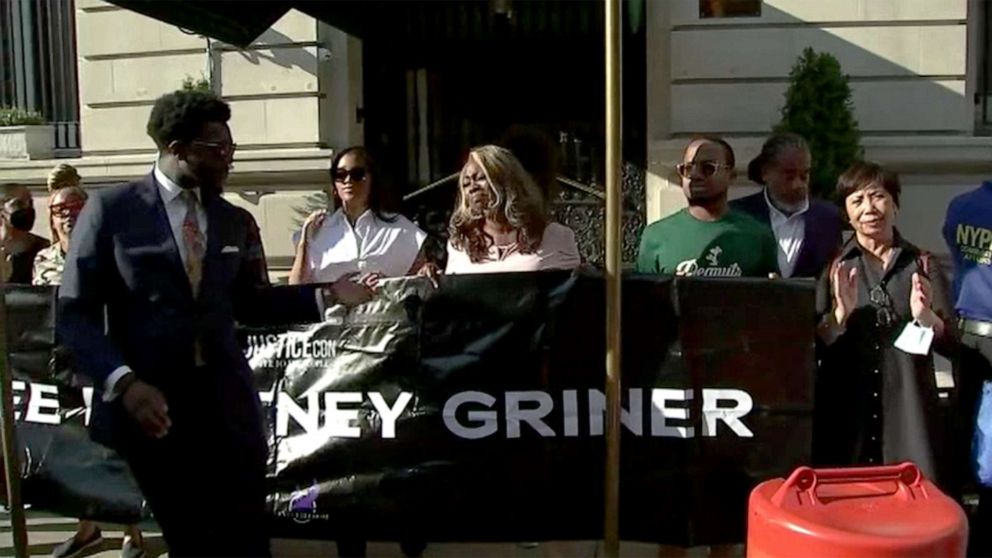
<point x="558" y="250"/>
<point x="372" y="245"/>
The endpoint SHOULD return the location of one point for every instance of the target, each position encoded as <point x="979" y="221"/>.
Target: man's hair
<point x="770" y="151"/>
<point x="513" y="198"/>
<point x="727" y="150"/>
<point x="181" y="115"/>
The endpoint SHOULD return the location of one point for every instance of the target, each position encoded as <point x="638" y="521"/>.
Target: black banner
<point x="476" y="411"/>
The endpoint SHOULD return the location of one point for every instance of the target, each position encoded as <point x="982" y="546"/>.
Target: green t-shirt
<point x="734" y="246"/>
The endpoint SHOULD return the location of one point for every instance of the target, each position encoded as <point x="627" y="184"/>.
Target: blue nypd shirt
<point x="968" y="233"/>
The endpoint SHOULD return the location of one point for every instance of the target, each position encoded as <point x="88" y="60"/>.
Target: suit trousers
<point x="205" y="480"/>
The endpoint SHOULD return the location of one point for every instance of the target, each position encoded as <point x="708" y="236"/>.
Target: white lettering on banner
<point x="571" y="399"/>
<point x="667" y="405"/>
<point x="661" y="412"/>
<point x="712" y="412"/>
<point x="515" y="414"/>
<point x="275" y="350"/>
<point x="389" y="414"/>
<point x="489" y="419"/>
<point x="339" y="421"/>
<point x="17" y="386"/>
<point x="631" y="416"/>
<point x="88" y="401"/>
<point x="37" y="401"/>
<point x="471" y="415"/>
<point x="308" y="419"/>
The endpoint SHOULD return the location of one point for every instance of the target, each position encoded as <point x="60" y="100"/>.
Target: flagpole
<point x="11" y="470"/>
<point x="614" y="239"/>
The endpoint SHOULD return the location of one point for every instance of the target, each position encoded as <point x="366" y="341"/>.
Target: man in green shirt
<point x="707" y="239"/>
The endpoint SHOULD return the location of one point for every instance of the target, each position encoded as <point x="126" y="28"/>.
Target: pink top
<point x="558" y="250"/>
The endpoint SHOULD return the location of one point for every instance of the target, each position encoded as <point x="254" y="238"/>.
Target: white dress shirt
<point x="175" y="209"/>
<point x="790" y="232"/>
<point x="372" y="245"/>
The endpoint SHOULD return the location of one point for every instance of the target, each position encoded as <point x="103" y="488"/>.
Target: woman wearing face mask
<point x="877" y="399"/>
<point x="807" y="231"/>
<point x="362" y="238"/>
<point x="18" y="245"/>
<point x="500" y="224"/>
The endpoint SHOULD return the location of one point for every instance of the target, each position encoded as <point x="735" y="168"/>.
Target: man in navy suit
<point x="157" y="273"/>
<point x="807" y="231"/>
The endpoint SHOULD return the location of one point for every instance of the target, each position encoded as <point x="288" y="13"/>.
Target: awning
<point x="233" y="21"/>
<point x="239" y="22"/>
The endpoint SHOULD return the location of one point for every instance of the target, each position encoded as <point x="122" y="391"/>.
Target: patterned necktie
<point x="194" y="241"/>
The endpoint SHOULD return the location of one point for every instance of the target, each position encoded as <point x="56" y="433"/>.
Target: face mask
<point x="22" y="219"/>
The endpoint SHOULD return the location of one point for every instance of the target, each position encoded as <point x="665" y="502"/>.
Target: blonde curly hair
<point x="63" y="175"/>
<point x="514" y="200"/>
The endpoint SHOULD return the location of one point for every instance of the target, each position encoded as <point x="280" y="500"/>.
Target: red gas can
<point x="889" y="511"/>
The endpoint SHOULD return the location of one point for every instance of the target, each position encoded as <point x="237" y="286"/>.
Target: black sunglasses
<point x="357" y="174"/>
<point x="708" y="168"/>
<point x="885" y="315"/>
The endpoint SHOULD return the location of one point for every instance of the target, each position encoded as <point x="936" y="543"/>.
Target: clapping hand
<point x="919" y="301"/>
<point x="844" y="281"/>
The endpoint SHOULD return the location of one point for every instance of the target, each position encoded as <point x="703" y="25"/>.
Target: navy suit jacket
<point x="822" y="225"/>
<point x="123" y="263"/>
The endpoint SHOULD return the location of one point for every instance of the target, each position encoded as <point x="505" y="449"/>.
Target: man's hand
<point x="147" y="406"/>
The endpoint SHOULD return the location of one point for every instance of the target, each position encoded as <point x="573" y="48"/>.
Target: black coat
<point x="822" y="227"/>
<point x="875" y="403"/>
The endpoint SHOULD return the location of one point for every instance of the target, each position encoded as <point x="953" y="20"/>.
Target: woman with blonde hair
<point x="500" y="221"/>
<point x="63" y="175"/>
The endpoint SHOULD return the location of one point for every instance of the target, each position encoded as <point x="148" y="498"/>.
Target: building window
<point x="38" y="65"/>
<point x="983" y="92"/>
<point x="729" y="8"/>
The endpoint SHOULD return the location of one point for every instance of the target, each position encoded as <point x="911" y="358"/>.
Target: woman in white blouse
<point x="361" y="236"/>
<point x="500" y="222"/>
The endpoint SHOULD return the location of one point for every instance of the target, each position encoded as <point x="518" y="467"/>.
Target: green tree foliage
<point x="198" y="84"/>
<point x="818" y="107"/>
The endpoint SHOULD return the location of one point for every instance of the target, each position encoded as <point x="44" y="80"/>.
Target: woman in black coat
<point x="877" y="403"/>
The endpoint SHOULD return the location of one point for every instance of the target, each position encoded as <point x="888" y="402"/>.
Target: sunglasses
<point x="66" y="210"/>
<point x="708" y="168"/>
<point x="222" y="147"/>
<point x="357" y="174"/>
<point x="885" y="315"/>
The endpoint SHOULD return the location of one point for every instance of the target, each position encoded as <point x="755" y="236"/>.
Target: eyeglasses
<point x="224" y="147"/>
<point x="357" y="174"/>
<point x="68" y="209"/>
<point x="885" y="316"/>
<point x="708" y="168"/>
